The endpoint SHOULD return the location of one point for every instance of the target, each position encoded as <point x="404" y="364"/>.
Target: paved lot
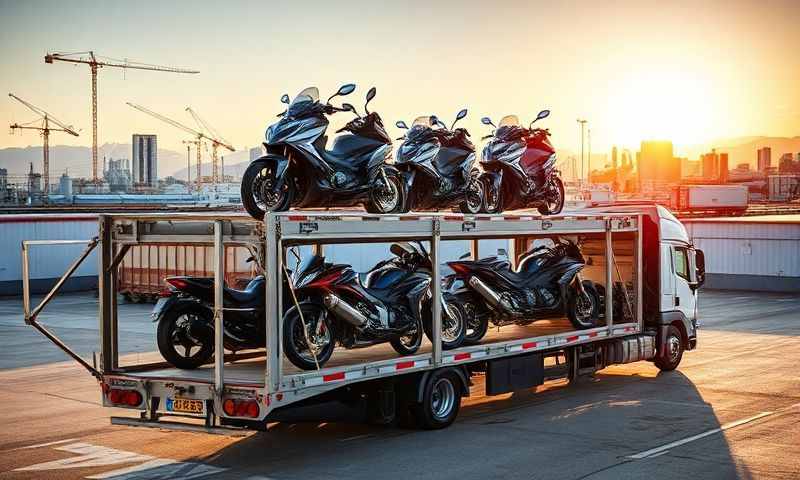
<point x="731" y="411"/>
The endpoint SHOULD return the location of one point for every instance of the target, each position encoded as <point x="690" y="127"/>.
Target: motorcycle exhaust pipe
<point x="343" y="310"/>
<point x="486" y="292"/>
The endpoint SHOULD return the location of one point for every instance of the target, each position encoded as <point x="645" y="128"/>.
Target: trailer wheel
<point x="441" y="400"/>
<point x="672" y="351"/>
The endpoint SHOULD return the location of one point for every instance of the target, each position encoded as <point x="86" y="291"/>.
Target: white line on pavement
<point x="40" y="445"/>
<point x="658" y="450"/>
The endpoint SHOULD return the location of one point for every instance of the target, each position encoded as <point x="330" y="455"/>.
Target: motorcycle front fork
<point x="579" y="281"/>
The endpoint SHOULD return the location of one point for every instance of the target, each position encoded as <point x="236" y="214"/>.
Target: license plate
<point x="185" y="405"/>
<point x="159" y="306"/>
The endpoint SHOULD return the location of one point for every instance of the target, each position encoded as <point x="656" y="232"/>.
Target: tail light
<point x="178" y="283"/>
<point x="240" y="407"/>
<point x="124" y="397"/>
<point x="459" y="268"/>
<point x="166" y="292"/>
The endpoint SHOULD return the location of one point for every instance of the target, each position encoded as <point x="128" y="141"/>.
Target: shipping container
<point x="710" y="198"/>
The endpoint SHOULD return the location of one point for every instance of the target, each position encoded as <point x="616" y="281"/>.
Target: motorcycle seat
<point x="253" y="293"/>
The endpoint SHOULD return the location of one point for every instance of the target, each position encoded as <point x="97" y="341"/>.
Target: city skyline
<point x="631" y="81"/>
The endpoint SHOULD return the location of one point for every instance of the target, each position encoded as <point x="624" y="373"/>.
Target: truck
<point x="641" y="256"/>
<point x="725" y="199"/>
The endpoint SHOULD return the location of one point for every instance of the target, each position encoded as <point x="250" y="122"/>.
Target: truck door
<point x="685" y="299"/>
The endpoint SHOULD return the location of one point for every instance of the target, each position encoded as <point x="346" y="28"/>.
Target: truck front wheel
<point x="671" y="351"/>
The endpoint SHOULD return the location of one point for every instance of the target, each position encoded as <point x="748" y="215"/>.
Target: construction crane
<point x="220" y="142"/>
<point x="197" y="145"/>
<point x="90" y="59"/>
<point x="199" y="136"/>
<point x="44" y="129"/>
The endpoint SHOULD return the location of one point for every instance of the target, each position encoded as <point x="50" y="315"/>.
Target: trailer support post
<point x="105" y="294"/>
<point x="272" y="271"/>
<point x="609" y="297"/>
<point x="474" y="248"/>
<point x="219" y="272"/>
<point x="436" y="294"/>
<point x="639" y="272"/>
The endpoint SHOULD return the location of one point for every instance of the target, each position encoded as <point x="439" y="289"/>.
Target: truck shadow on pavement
<point x="598" y="427"/>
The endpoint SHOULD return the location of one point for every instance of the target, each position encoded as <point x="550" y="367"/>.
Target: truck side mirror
<point x="700" y="265"/>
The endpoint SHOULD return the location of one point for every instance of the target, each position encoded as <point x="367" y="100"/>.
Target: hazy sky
<point x="687" y="71"/>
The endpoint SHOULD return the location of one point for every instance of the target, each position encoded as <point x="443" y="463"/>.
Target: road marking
<point x="357" y="437"/>
<point x="663" y="448"/>
<point x="148" y="467"/>
<point x="40" y="445"/>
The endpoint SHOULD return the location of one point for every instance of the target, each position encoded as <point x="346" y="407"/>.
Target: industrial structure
<point x="89" y="58"/>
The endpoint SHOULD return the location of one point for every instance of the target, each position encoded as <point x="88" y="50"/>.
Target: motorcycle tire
<point x="477" y="205"/>
<point x="579" y="320"/>
<point x="166" y="336"/>
<point x="408" y="344"/>
<point x="293" y="335"/>
<point x="490" y="194"/>
<point x="455" y="340"/>
<point x="476" y="327"/>
<point x="555" y="208"/>
<point x="251" y="194"/>
<point x="393" y="199"/>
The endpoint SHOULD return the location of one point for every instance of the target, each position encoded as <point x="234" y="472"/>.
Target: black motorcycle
<point x="336" y="305"/>
<point x="438" y="167"/>
<point x="185" y="316"/>
<point x="520" y="168"/>
<point x="298" y="170"/>
<point x="546" y="283"/>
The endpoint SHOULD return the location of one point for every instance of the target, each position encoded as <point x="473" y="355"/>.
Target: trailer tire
<point x="441" y="400"/>
<point x="671" y="350"/>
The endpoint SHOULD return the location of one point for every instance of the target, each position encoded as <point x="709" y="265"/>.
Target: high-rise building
<point x="256" y="152"/>
<point x="715" y="166"/>
<point x="722" y="168"/>
<point x="764" y="160"/>
<point x="657" y="164"/>
<point x="145" y="160"/>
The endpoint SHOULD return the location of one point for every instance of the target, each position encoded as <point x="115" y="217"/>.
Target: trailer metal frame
<point x="269" y="240"/>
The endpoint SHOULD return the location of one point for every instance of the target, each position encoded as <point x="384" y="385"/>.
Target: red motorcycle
<point x="519" y="168"/>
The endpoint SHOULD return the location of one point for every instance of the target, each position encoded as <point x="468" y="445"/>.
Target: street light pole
<point x="583" y="127"/>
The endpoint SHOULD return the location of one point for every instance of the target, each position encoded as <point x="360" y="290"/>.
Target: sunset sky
<point x="688" y="71"/>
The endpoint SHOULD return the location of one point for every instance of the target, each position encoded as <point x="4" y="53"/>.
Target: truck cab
<point x="673" y="271"/>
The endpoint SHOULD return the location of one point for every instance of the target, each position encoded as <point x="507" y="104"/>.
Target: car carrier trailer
<point x="624" y="250"/>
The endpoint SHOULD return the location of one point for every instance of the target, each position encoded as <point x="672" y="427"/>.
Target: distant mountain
<point x="235" y="164"/>
<point x="78" y="160"/>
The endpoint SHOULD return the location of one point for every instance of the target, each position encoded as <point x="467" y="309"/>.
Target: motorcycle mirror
<point x="461" y="114"/>
<point x="541" y="115"/>
<point x="465" y="255"/>
<point x="250" y="259"/>
<point x="501" y="252"/>
<point x="351" y="108"/>
<point x="345" y="89"/>
<point x="487" y="121"/>
<point x="401" y="124"/>
<point x="435" y="121"/>
<point x="370" y="95"/>
<point x="285" y="99"/>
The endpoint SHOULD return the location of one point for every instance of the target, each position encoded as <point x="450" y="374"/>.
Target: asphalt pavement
<point x="731" y="410"/>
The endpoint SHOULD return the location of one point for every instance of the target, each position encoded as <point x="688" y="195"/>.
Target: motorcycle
<point x="547" y="283"/>
<point x="438" y="167"/>
<point x="519" y="168"/>
<point x="336" y="305"/>
<point x="185" y="316"/>
<point x="298" y="170"/>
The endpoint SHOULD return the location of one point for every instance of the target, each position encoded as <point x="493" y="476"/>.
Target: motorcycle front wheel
<point x="554" y="199"/>
<point x="258" y="196"/>
<point x="493" y="197"/>
<point x="477" y="325"/>
<point x="409" y="343"/>
<point x="310" y="349"/>
<point x="474" y="196"/>
<point x="386" y="198"/>
<point x="183" y="336"/>
<point x="454" y="326"/>
<point x="583" y="309"/>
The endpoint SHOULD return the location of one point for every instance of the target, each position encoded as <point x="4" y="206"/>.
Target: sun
<point x="674" y="105"/>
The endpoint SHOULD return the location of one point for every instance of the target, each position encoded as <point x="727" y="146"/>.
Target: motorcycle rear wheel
<point x="477" y="326"/>
<point x="554" y="200"/>
<point x="256" y="191"/>
<point x="453" y="328"/>
<point x="180" y="327"/>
